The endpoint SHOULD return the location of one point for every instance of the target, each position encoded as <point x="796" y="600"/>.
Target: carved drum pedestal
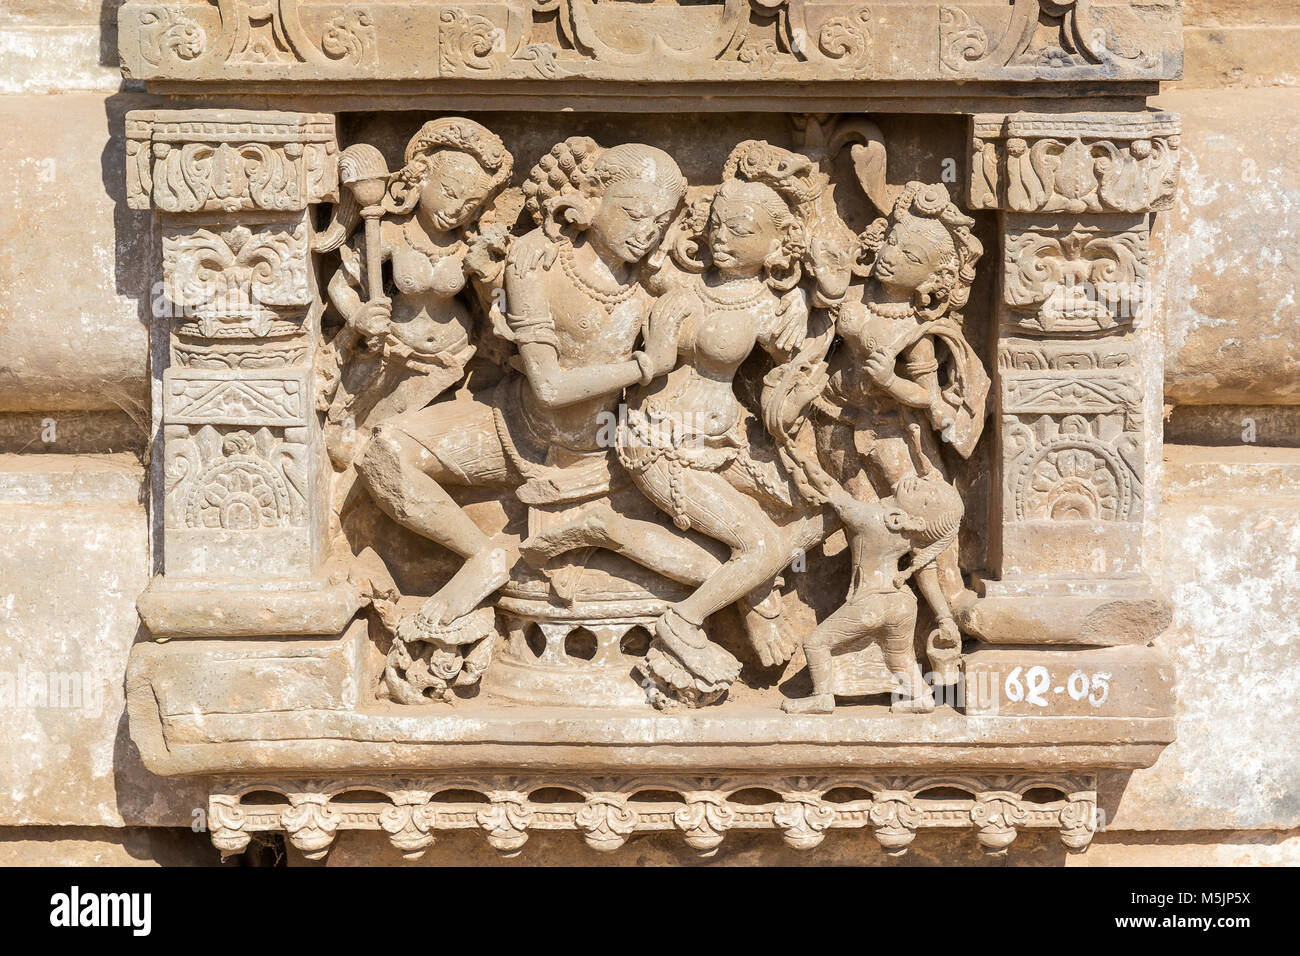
<point x="671" y="232"/>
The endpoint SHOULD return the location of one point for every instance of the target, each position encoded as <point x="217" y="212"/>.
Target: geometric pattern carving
<point x="606" y="812"/>
<point x="196" y="398"/>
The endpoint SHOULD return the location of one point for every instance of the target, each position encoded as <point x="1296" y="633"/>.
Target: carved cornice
<point x="311" y="812"/>
<point x="185" y="161"/>
<point x="1074" y="163"/>
<point x="550" y="40"/>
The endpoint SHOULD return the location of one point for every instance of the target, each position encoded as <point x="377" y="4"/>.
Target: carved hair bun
<point x="930" y="200"/>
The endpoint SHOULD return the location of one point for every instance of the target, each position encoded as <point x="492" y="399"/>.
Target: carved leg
<point x="844" y="624"/>
<point x="718" y="509"/>
<point x="652" y="546"/>
<point x="900" y="657"/>
<point x="396" y="469"/>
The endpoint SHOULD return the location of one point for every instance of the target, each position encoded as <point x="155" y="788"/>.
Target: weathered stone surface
<point x="1231" y="527"/>
<point x="1229" y="266"/>
<point x="544" y="601"/>
<point x="1240" y="43"/>
<point x="104" y="846"/>
<point x="75" y="556"/>
<point x="75" y="311"/>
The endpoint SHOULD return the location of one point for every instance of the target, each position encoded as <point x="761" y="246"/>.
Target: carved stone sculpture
<point x="720" y="467"/>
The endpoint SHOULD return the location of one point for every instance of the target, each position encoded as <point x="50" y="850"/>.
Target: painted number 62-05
<point x="1036" y="684"/>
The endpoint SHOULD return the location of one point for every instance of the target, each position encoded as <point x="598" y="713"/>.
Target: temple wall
<point x="75" y="440"/>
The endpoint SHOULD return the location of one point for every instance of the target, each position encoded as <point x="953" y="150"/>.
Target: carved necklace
<point x="745" y="298"/>
<point x="605" y="298"/>
<point x="890" y="310"/>
<point x="418" y="240"/>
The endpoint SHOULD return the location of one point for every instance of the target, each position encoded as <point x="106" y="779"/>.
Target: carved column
<point x="244" y="533"/>
<point x="1077" y="371"/>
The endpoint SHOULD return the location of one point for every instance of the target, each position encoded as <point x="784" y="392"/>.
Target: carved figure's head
<point x="454" y="166"/>
<point x="755" y="219"/>
<point x="624" y="196"/>
<point x="933" y="510"/>
<point x="751" y="229"/>
<point x="925" y="249"/>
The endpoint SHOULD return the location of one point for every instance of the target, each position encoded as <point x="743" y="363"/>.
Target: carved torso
<point x="725" y="322"/>
<point x="589" y="324"/>
<point x="428" y="273"/>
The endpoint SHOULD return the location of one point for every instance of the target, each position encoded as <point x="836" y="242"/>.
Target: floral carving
<point x="997" y="815"/>
<point x="164" y="31"/>
<point x="312" y="812"/>
<point x="233" y="281"/>
<point x="894" y="817"/>
<point x="349" y="37"/>
<point x="606" y="821"/>
<point x="961" y="41"/>
<point x="1083" y="279"/>
<point x="847" y="38"/>
<point x="310" y="823"/>
<point x="705" y="820"/>
<point x="507" y="821"/>
<point x="469" y="42"/>
<point x="804" y="818"/>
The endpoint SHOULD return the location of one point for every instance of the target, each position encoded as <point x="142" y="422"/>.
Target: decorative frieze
<point x="607" y="812"/>
<point x="1065" y="277"/>
<point x="186" y="161"/>
<point x="552" y="41"/>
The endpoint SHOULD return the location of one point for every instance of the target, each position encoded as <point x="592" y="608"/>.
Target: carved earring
<point x="570" y="210"/>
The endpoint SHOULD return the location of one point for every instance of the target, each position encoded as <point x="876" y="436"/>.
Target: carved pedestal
<point x="767" y="270"/>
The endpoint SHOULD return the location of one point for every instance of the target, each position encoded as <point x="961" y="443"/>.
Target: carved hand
<point x="792" y="321"/>
<point x="371" y="318"/>
<point x="947" y="635"/>
<point x="661" y="338"/>
<point x="880" y="366"/>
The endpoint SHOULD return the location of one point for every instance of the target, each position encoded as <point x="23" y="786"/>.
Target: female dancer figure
<point x="575" y="308"/>
<point x="420" y="337"/>
<point x="685" y="439"/>
<point x="924" y="265"/>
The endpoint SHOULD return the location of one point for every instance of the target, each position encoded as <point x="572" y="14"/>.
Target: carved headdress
<point x="930" y="209"/>
<point x="362" y="163"/>
<point x="790" y="186"/>
<point x="559" y="188"/>
<point x="453" y="133"/>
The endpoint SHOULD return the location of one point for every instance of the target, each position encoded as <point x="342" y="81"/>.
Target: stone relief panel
<point x="593" y="427"/>
<point x="1074" y="163"/>
<point x="1075" y="277"/>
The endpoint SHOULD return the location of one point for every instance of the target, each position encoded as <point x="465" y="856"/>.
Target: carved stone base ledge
<point x="607" y="812"/>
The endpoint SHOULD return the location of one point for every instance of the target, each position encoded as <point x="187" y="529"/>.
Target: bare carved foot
<point x="921" y="704"/>
<point x="816" y="704"/>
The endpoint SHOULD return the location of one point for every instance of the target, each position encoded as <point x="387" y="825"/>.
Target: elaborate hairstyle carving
<point x="362" y="161"/>
<point x="783" y="184"/>
<point x="450" y="133"/>
<point x="559" y="188"/>
<point x="931" y="208"/>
